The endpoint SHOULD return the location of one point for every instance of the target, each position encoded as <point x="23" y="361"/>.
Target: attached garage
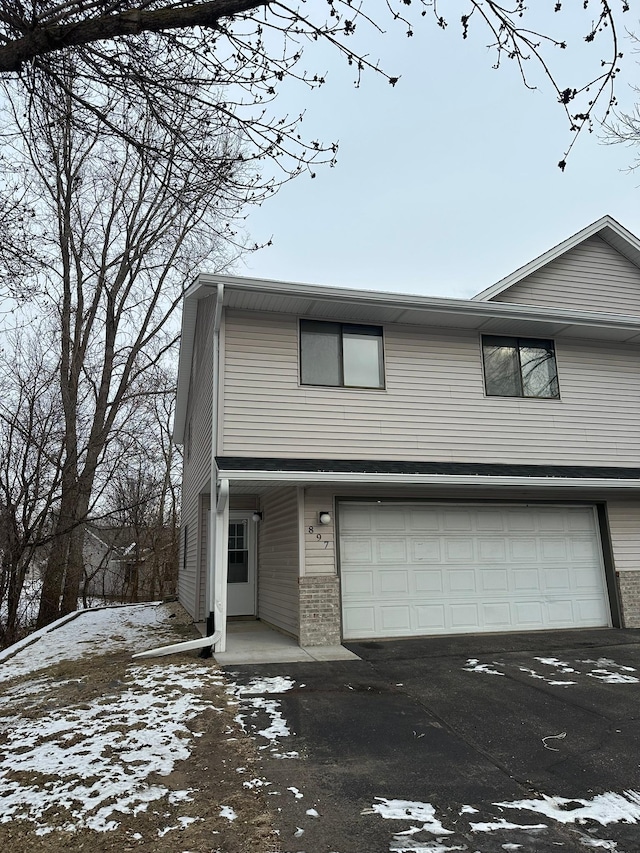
<point x="423" y="568"/>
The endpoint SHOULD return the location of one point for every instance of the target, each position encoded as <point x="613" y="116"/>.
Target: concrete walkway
<point x="252" y="642"/>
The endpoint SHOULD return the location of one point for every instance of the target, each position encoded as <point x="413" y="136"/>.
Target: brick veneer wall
<point x="629" y="586"/>
<point x="319" y="610"/>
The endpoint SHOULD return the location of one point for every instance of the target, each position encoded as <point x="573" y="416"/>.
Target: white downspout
<point x="213" y="617"/>
<point x="221" y="564"/>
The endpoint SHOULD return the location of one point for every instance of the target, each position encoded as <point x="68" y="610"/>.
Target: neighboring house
<point x="416" y="465"/>
<point x="125" y="564"/>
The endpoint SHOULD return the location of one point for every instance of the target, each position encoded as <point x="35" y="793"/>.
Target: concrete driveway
<point x="519" y="742"/>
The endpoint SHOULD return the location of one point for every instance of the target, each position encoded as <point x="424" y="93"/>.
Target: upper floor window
<point x="519" y="367"/>
<point x="341" y="354"/>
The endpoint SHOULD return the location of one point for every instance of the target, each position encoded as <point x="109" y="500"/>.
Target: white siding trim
<point x="220" y="383"/>
<point x="312" y="477"/>
<point x="301" y="539"/>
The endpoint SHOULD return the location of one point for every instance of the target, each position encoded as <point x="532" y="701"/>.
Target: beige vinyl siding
<point x="240" y="502"/>
<point x="319" y="554"/>
<point x="591" y="277"/>
<point x="201" y="577"/>
<point x="624" y="526"/>
<point x="278" y="560"/>
<point x="433" y="407"/>
<point x="197" y="468"/>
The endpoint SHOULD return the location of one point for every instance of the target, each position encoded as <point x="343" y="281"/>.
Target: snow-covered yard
<point x="172" y="756"/>
<point x="137" y="755"/>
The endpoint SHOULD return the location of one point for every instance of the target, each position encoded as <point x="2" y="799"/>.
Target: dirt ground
<point x="222" y="758"/>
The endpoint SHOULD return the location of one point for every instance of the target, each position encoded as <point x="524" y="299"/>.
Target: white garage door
<point x="447" y="569"/>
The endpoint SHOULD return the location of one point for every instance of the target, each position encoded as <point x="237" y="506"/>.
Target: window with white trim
<point x="341" y="354"/>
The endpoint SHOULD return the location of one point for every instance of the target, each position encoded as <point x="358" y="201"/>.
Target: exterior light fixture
<point x="324" y="517"/>
<point x="257" y="516"/>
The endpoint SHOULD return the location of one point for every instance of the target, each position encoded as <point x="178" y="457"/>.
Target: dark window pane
<point x="538" y="364"/>
<point x="320" y="353"/>
<point x="238" y="567"/>
<point x="362" y="360"/>
<point x="501" y="367"/>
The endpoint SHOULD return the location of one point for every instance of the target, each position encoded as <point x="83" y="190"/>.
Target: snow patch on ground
<point x="410" y="845"/>
<point x="133" y="628"/>
<point x="228" y="812"/>
<point x="255" y="710"/>
<point x="277" y="684"/>
<point x="474" y="665"/>
<point x="603" y="808"/>
<point x="603" y="669"/>
<point x="494" y="825"/>
<point x="409" y="810"/>
<point x="94" y="760"/>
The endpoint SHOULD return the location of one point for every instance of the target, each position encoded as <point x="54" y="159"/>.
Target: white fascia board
<point x="601" y="225"/>
<point x="432" y="304"/>
<point x="341" y="478"/>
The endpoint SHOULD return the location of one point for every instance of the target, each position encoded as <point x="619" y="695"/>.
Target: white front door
<point x="241" y="581"/>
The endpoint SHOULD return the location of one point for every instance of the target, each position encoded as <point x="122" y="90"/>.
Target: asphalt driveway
<point x="519" y="742"/>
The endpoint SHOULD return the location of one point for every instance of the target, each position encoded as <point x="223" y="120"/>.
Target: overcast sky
<point x="447" y="182"/>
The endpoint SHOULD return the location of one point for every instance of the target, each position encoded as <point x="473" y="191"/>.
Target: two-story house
<point x="372" y="465"/>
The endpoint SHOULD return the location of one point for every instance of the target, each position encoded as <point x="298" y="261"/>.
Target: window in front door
<point x="238" y="552"/>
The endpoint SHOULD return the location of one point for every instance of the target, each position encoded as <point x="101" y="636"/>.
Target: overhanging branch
<point x="48" y="39"/>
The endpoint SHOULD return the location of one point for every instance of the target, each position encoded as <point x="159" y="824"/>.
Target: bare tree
<point x="234" y="54"/>
<point x="30" y="466"/>
<point x="129" y="226"/>
<point x="139" y="507"/>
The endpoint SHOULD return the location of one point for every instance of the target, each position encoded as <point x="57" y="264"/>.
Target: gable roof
<point x="607" y="228"/>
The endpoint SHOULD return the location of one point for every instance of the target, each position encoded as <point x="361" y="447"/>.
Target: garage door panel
<point x="478" y="568"/>
<point x="462" y="581"/>
<point x="426" y="550"/>
<point x="523" y="550"/>
<point x="553" y="549"/>
<point x="357" y="584"/>
<point x="356" y="550"/>
<point x="459" y="520"/>
<point x="496" y="616"/>
<point x="429" y="581"/>
<point x="583" y="549"/>
<point x="525" y="580"/>
<point x="589" y="609"/>
<point x="424" y="520"/>
<point x="492" y="550"/>
<point x="465" y="617"/>
<point x="391" y="520"/>
<point x="560" y="613"/>
<point x="458" y="550"/>
<point x="550" y="522"/>
<point x="490" y="520"/>
<point x="359" y="622"/>
<point x="430" y="618"/>
<point x="519" y="520"/>
<point x="494" y="580"/>
<point x="392" y="550"/>
<point x="585" y="579"/>
<point x="528" y="614"/>
<point x="355" y="519"/>
<point x="578" y="520"/>
<point x="396" y="619"/>
<point x="557" y="579"/>
<point x="394" y="582"/>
